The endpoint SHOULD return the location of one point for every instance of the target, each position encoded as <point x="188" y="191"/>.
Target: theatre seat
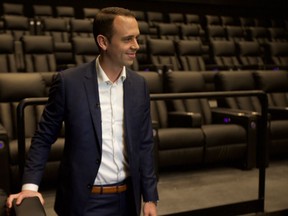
<point x="8" y="58"/>
<point x="275" y="84"/>
<point x="225" y="141"/>
<point x="13" y="88"/>
<point x="181" y="144"/>
<point x="38" y="52"/>
<point x="162" y="54"/>
<point x="277" y="136"/>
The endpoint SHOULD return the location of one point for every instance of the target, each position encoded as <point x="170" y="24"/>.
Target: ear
<point x="102" y="41"/>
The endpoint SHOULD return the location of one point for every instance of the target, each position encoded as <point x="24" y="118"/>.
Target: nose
<point x="135" y="45"/>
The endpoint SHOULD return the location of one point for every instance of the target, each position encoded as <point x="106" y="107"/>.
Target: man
<point x="108" y="160"/>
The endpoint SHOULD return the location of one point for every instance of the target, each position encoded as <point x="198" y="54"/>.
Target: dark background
<point x="264" y="8"/>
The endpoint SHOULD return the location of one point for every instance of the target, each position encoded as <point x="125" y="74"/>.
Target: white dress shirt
<point x="114" y="165"/>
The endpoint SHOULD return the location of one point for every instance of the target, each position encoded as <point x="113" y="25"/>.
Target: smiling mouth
<point x="132" y="55"/>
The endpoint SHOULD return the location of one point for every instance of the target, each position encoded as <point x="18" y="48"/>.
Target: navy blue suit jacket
<point x="74" y="99"/>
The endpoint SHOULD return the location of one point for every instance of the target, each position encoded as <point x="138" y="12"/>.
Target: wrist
<point x="152" y="202"/>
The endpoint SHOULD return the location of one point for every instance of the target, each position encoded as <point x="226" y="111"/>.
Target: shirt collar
<point x="102" y="77"/>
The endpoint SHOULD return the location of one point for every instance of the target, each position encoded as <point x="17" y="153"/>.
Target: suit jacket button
<point x="89" y="186"/>
<point x="98" y="161"/>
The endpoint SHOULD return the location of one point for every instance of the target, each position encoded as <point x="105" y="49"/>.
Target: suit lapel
<point x="91" y="87"/>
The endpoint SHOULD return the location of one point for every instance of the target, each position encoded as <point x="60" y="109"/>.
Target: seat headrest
<point x="37" y="44"/>
<point x="234" y="81"/>
<point x="55" y="24"/>
<point x="86" y="46"/>
<point x="16" y="86"/>
<point x="271" y="81"/>
<point x="16" y="22"/>
<point x="278" y="48"/>
<point x="185" y="81"/>
<point x="223" y="48"/>
<point x="154" y="81"/>
<point x="248" y="48"/>
<point x="161" y="47"/>
<point x="189" y="47"/>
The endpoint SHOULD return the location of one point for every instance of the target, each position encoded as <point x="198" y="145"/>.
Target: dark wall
<point x="223" y="7"/>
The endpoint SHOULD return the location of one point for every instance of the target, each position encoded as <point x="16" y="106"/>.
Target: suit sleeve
<point x="46" y="134"/>
<point x="147" y="163"/>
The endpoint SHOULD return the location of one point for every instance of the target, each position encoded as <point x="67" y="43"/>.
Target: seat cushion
<point x="177" y="138"/>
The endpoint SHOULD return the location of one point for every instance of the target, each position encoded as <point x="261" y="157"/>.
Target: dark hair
<point x="103" y="21"/>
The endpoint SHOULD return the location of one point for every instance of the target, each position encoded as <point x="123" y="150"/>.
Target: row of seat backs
<point x="46" y="11"/>
<point x="217" y="32"/>
<point x="37" y="53"/>
<point x="224" y="55"/>
<point x="274" y="83"/>
<point x="19" y="26"/>
<point x="149" y="16"/>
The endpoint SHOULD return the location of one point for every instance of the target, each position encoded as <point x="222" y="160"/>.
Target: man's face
<point x="121" y="50"/>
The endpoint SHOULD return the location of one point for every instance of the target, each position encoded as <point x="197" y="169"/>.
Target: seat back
<point x="190" y="55"/>
<point x="89" y="13"/>
<point x="215" y="32"/>
<point x="237" y="81"/>
<point x="259" y="34"/>
<point x="162" y="53"/>
<point x="39" y="53"/>
<point x="13" y="88"/>
<point x="81" y="27"/>
<point x="140" y="15"/>
<point x="176" y="18"/>
<point x="247" y="22"/>
<point x="235" y="33"/>
<point x="190" y="32"/>
<point x="154" y="17"/>
<point x="275" y="84"/>
<point x="8" y="61"/>
<point x="168" y="31"/>
<point x="65" y="12"/>
<point x="278" y="54"/>
<point x="13" y="9"/>
<point x="278" y="34"/>
<point x="57" y="28"/>
<point x="212" y="20"/>
<point x="41" y="11"/>
<point x="17" y="26"/>
<point x="186" y="82"/>
<point x="228" y="21"/>
<point x="84" y="49"/>
<point x="249" y="54"/>
<point x="159" y="112"/>
<point x="224" y="55"/>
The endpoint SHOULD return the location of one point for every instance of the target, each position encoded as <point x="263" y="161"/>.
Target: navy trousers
<point x="117" y="204"/>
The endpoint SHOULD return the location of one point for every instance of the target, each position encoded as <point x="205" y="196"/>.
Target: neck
<point x="112" y="72"/>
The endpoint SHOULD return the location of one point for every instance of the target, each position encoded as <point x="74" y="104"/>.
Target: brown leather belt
<point x="109" y="189"/>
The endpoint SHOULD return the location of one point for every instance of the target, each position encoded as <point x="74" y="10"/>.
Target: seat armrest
<point x="278" y="112"/>
<point x="184" y="119"/>
<point x="249" y="121"/>
<point x="235" y="116"/>
<point x="29" y="206"/>
<point x="4" y="160"/>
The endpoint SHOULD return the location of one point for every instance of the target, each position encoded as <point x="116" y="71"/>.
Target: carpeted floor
<point x="188" y="190"/>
